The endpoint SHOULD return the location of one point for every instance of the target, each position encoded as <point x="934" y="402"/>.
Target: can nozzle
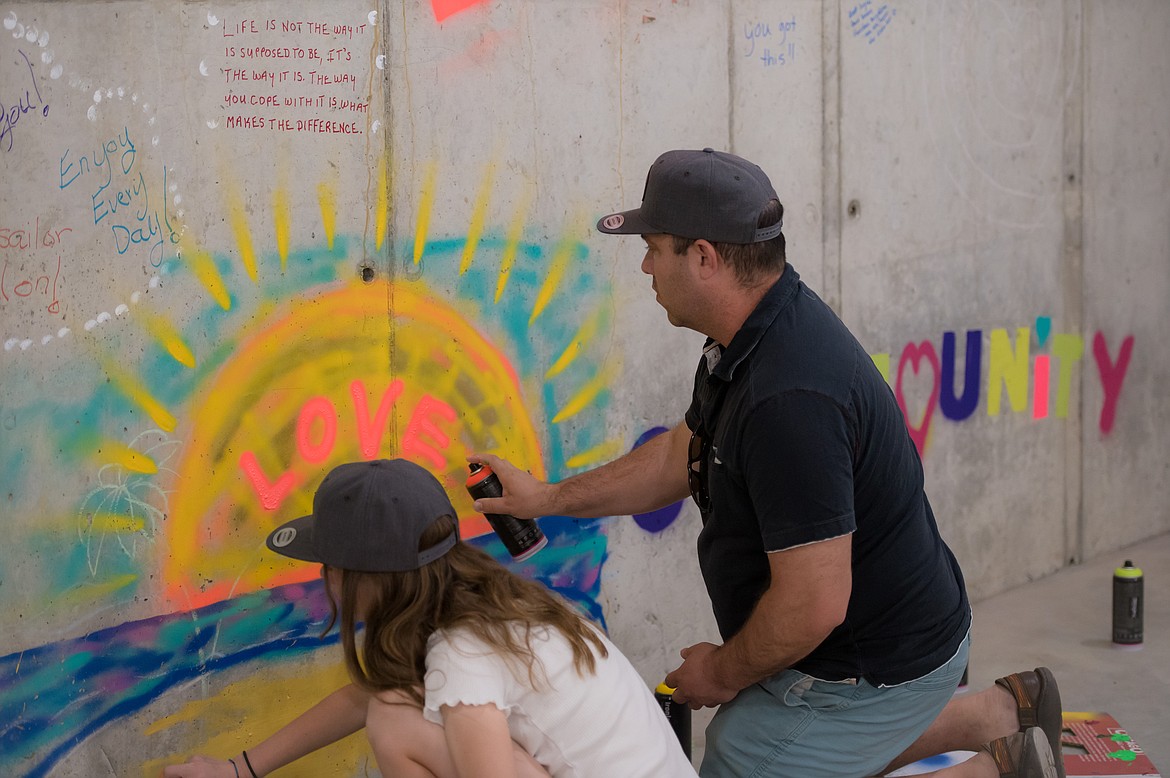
<point x="1128" y="570"/>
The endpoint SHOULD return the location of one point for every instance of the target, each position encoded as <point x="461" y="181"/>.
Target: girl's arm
<point x="337" y="716"/>
<point x="479" y="741"/>
<point x="481" y="745"/>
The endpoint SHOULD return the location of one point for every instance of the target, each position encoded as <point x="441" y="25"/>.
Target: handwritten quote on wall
<point x="294" y="75"/>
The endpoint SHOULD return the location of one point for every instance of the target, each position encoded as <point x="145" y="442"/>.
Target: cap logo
<point x="283" y="537"/>
<point x="613" y="221"/>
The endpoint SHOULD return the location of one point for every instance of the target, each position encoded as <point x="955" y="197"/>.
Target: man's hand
<point x="524" y="496"/>
<point x="201" y="767"/>
<point x="696" y="682"/>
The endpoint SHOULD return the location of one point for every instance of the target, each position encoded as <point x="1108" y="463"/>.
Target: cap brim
<point x="626" y="223"/>
<point x="294" y="539"/>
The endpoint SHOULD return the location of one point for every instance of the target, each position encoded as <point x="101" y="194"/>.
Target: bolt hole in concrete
<point x="854" y="209"/>
<point x="367" y="274"/>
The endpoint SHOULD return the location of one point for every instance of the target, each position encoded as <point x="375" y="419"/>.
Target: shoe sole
<point x="1036" y="743"/>
<point x="1048" y="684"/>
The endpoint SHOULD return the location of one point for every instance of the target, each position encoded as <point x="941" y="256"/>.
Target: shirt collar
<point x="722" y="362"/>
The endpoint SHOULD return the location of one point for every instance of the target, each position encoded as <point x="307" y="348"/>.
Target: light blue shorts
<point x="793" y="725"/>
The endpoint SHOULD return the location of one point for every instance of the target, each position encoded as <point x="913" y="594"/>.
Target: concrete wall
<point x="242" y="242"/>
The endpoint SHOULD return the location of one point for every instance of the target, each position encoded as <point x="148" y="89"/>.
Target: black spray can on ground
<point x="521" y="537"/>
<point x="1127" y="605"/>
<point x="678" y="714"/>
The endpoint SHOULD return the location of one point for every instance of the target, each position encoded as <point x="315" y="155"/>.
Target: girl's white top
<point x="604" y="725"/>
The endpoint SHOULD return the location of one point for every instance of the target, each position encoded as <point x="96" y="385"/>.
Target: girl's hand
<point x="201" y="767"/>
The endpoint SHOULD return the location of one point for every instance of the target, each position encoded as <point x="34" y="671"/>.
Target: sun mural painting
<point x="285" y="364"/>
<point x="363" y="372"/>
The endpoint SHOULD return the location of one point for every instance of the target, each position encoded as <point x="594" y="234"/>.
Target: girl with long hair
<point x="463" y="667"/>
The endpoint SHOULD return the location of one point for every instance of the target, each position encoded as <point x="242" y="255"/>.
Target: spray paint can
<point x="521" y="537"/>
<point x="1127" y="605"/>
<point x="678" y="714"/>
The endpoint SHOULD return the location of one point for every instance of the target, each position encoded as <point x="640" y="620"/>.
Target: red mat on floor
<point x="1095" y="744"/>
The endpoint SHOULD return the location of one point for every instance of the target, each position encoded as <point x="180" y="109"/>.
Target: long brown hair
<point x="463" y="588"/>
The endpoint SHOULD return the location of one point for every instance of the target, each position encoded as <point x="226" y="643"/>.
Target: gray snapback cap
<point x="700" y="194"/>
<point x="368" y="516"/>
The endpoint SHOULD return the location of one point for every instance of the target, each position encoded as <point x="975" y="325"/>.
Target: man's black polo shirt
<point x="809" y="444"/>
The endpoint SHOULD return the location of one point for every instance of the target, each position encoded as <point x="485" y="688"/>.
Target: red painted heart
<point x="914" y="354"/>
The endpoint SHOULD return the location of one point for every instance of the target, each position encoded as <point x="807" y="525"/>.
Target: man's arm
<point x="649" y="477"/>
<point x="806" y="599"/>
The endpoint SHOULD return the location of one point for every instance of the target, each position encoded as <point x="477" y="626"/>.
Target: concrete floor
<point x="1064" y="622"/>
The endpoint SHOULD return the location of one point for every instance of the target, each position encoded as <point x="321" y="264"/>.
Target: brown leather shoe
<point x="1023" y="755"/>
<point x="1038" y="704"/>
